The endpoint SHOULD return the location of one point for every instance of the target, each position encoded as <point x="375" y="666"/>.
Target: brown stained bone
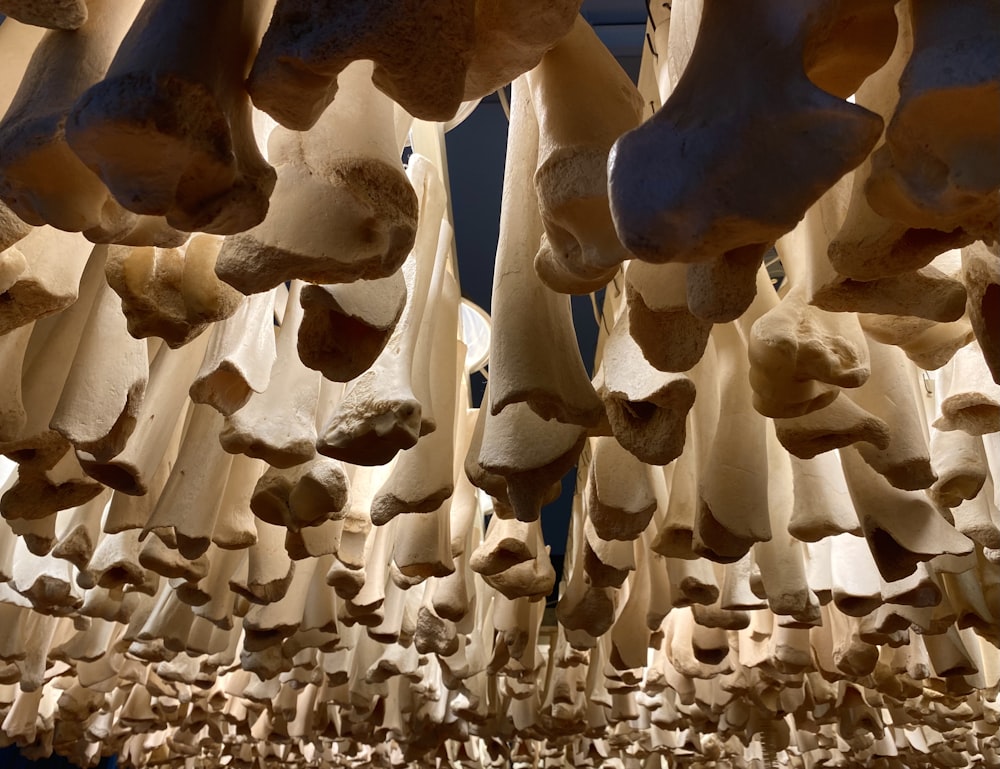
<point x="928" y="344"/>
<point x="945" y="119"/>
<point x="839" y="424"/>
<point x="422" y="547"/>
<point x="685" y="220"/>
<point x="342" y="209"/>
<point x="583" y="101"/>
<point x="54" y="14"/>
<point x="346" y="326"/>
<point x="53" y="264"/>
<point x="308" y="45"/>
<point x="959" y="461"/>
<point x="132" y="470"/>
<point x="671" y="337"/>
<point x="821" y="501"/>
<point x="278" y="424"/>
<point x="171" y="293"/>
<point x="981" y="275"/>
<point x="13" y="346"/>
<point x="44" y="181"/>
<point x="103" y="393"/>
<point x="534" y="356"/>
<point x="969" y="398"/>
<point x="511" y="37"/>
<point x="240" y="356"/>
<point x="893" y="395"/>
<point x="646" y="408"/>
<point x="169" y="130"/>
<point x="305" y="495"/>
<point x="380" y="414"/>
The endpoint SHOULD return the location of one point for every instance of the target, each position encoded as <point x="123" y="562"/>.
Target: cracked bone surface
<point x="752" y="599"/>
<point x="168" y="128"/>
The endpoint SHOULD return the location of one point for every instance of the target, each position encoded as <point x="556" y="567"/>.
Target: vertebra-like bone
<point x="168" y="130"/>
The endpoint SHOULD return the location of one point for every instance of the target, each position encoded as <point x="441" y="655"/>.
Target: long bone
<point x="169" y="130"/>
<point x="583" y="101"/>
<point x="946" y="117"/>
<point x="380" y="414"/>
<point x="620" y="499"/>
<point x="686" y="220"/>
<point x="981" y="275"/>
<point x="534" y="355"/>
<point x="44" y="182"/>
<point x="928" y="344"/>
<point x="308" y="45"/>
<point x="969" y="399"/>
<point x="279" y="423"/>
<point x="342" y="209"/>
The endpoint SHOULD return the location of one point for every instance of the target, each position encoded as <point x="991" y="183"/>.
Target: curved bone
<point x="171" y="293"/>
<point x="49" y="282"/>
<point x="168" y="130"/>
<point x="839" y="424"/>
<point x="979" y="519"/>
<point x="647" y="409"/>
<point x="945" y="118"/>
<point x="583" y="101"/>
<point x="342" y="208"/>
<point x="44" y="182"/>
<point x="534" y="355"/>
<point x="131" y="471"/>
<point x="970" y="399"/>
<point x="686" y="220"/>
<point x="380" y="414"/>
<point x="240" y="356"/>
<point x="308" y="45"/>
<point x="278" y="425"/>
<point x="115" y="563"/>
<point x="928" y="344"/>
<point x="981" y="275"/>
<point x="959" y="461"/>
<point x="346" y="326"/>
<point x="671" y="337"/>
<point x="80" y="530"/>
<point x="103" y="393"/>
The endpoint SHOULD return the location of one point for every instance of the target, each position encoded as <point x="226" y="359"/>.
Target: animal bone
<point x="55" y="14"/>
<point x="327" y="223"/>
<point x="380" y="414"/>
<point x="295" y="74"/>
<point x="969" y="398"/>
<point x="621" y="495"/>
<point x="278" y="424"/>
<point x="928" y="344"/>
<point x="839" y="424"/>
<point x="175" y="85"/>
<point x="44" y="181"/>
<point x="685" y="220"/>
<point x="583" y="101"/>
<point x="943" y="77"/>
<point x="304" y="495"/>
<point x="240" y="356"/>
<point x="171" y="293"/>
<point x="364" y="312"/>
<point x="550" y="376"/>
<point x="981" y="275"/>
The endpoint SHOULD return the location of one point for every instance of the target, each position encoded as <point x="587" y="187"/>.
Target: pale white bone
<point x="169" y="129"/>
<point x="841" y="423"/>
<point x="278" y="425"/>
<point x="534" y="356"/>
<point x="159" y="554"/>
<point x="103" y="394"/>
<point x="821" y="504"/>
<point x="189" y="501"/>
<point x="80" y="530"/>
<point x="978" y="518"/>
<point x="646" y="408"/>
<point x="170" y="376"/>
<point x="171" y="293"/>
<point x="928" y="344"/>
<point x="44" y="181"/>
<point x="422" y="477"/>
<point x="671" y="337"/>
<point x="54" y="263"/>
<point x="342" y="209"/>
<point x="240" y="356"/>
<point x="272" y="621"/>
<point x="380" y="414"/>
<point x="583" y="101"/>
<point x="270" y="569"/>
<point x="305" y="495"/>
<point x="115" y="563"/>
<point x="969" y="398"/>
<point x="13" y="346"/>
<point x="346" y="326"/>
<point x="54" y="483"/>
<point x="685" y="220"/>
<point x="959" y="462"/>
<point x="621" y="498"/>
<point x="307" y="46"/>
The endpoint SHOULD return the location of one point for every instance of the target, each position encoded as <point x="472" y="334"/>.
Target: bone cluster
<point x="250" y="517"/>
